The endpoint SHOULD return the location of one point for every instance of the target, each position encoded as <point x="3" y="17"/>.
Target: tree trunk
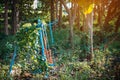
<point x="78" y="19"/>
<point x="100" y="15"/>
<point x="15" y="17"/>
<point x="6" y="18"/>
<point x="52" y="11"/>
<point x="85" y="23"/>
<point x="88" y="28"/>
<point x="56" y="12"/>
<point x="60" y="15"/>
<point x="72" y="16"/>
<point x="90" y="25"/>
<point x="17" y="20"/>
<point x="71" y="30"/>
<point x="56" y="9"/>
<point x="117" y="24"/>
<point x="110" y="14"/>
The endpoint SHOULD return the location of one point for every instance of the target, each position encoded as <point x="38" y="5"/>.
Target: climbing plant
<point x="29" y="50"/>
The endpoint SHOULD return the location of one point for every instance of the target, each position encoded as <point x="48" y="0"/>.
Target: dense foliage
<point x="77" y="33"/>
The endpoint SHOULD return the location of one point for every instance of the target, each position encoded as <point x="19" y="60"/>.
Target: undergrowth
<point x="70" y="64"/>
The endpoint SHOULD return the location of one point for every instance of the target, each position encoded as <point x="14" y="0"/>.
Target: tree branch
<point x="64" y="4"/>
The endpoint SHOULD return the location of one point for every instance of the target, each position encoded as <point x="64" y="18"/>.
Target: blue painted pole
<point x="12" y="61"/>
<point x="40" y="25"/>
<point x="51" y="32"/>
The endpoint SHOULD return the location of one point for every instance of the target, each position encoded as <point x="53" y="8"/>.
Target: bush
<point x="6" y="47"/>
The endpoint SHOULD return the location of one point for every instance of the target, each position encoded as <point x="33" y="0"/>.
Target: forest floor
<point x="72" y="64"/>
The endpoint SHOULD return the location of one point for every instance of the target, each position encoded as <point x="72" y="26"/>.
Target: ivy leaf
<point x="89" y="10"/>
<point x="86" y="5"/>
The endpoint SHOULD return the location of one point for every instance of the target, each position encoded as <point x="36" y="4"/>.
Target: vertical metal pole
<point x="12" y="61"/>
<point x="51" y="33"/>
<point x="41" y="39"/>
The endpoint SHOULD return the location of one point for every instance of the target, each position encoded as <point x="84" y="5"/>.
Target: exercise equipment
<point x="44" y="44"/>
<point x="46" y="52"/>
